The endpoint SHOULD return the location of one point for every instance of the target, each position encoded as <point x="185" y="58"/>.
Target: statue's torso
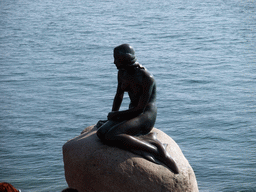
<point x="133" y="82"/>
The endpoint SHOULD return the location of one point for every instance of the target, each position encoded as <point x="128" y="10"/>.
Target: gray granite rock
<point x="92" y="166"/>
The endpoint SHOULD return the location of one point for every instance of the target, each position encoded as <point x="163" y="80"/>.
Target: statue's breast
<point x="132" y="83"/>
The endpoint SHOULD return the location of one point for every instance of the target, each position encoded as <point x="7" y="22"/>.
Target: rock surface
<point x="92" y="166"/>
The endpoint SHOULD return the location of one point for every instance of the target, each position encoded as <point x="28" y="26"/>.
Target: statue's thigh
<point x="135" y="126"/>
<point x="106" y="127"/>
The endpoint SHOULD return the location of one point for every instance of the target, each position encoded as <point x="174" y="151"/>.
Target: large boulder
<point x="91" y="166"/>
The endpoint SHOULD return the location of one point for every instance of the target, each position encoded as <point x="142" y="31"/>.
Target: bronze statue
<point x="130" y="129"/>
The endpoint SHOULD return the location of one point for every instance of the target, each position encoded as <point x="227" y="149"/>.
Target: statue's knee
<point x="100" y="135"/>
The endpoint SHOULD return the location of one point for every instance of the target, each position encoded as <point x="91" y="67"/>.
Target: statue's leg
<point x="165" y="157"/>
<point x="124" y="135"/>
<point x="162" y="155"/>
<point x="131" y="143"/>
<point x="104" y="128"/>
<point x="144" y="148"/>
<point x="152" y="139"/>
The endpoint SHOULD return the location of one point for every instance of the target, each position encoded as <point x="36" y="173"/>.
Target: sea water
<point x="57" y="77"/>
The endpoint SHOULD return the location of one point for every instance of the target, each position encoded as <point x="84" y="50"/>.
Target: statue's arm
<point x="118" y="98"/>
<point x="119" y="94"/>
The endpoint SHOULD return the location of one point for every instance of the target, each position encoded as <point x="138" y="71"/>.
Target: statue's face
<point x="119" y="63"/>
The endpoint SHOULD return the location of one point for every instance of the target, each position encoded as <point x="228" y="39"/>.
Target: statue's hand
<point x="113" y="116"/>
<point x="100" y="123"/>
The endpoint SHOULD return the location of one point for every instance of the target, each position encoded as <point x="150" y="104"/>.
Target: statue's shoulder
<point x="147" y="75"/>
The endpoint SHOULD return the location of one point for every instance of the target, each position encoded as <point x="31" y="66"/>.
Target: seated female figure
<point x="122" y="127"/>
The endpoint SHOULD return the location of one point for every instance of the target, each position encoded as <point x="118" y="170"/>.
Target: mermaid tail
<point x="162" y="158"/>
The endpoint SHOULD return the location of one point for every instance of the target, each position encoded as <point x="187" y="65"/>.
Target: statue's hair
<point x="125" y="53"/>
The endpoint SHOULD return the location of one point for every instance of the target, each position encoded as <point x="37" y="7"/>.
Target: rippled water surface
<point x="57" y="76"/>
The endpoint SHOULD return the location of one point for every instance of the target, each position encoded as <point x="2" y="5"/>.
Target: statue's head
<point x="124" y="56"/>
